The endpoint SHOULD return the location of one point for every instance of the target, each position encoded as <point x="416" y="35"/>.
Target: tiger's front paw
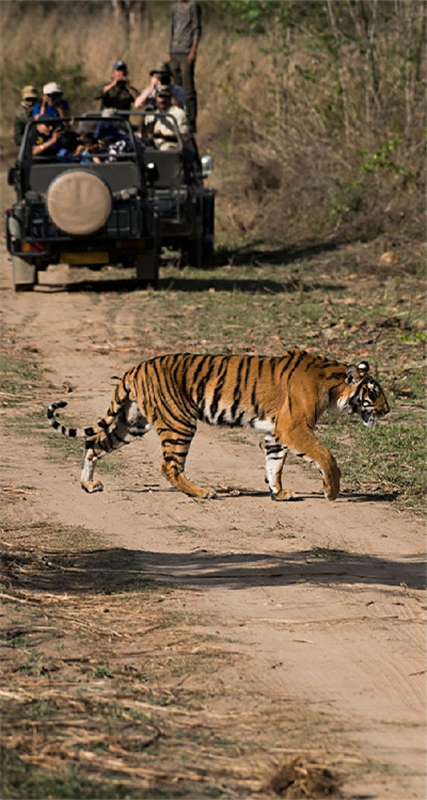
<point x="332" y="487"/>
<point x="208" y="494"/>
<point x="284" y="494"/>
<point x="92" y="486"/>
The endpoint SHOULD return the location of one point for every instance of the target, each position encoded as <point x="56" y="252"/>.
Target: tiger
<point x="281" y="396"/>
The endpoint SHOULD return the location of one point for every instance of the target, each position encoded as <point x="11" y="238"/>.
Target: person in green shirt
<point x="24" y="114"/>
<point x="118" y="94"/>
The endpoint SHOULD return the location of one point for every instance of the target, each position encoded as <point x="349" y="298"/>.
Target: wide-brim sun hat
<point x="29" y="91"/>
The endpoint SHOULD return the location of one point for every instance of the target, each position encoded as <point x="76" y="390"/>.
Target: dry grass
<point x="111" y="688"/>
<point x="298" y="778"/>
<point x="302" y="151"/>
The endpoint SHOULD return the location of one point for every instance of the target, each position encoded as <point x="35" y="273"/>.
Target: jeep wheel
<point x="194" y="253"/>
<point x="147" y="269"/>
<point x="207" y="252"/>
<point x="24" y="275"/>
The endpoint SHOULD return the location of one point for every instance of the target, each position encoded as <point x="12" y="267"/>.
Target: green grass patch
<point x="388" y="460"/>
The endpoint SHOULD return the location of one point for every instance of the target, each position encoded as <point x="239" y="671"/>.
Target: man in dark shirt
<point x="44" y="141"/>
<point x="186" y="30"/>
<point x="119" y="93"/>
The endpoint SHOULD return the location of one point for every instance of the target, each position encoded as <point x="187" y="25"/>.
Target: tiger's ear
<point x="363" y="367"/>
<point x="352" y="375"/>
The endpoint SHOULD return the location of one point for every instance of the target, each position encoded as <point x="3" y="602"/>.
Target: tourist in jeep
<point x="114" y="140"/>
<point x="118" y="93"/>
<point x="24" y="114"/>
<point x="53" y="103"/>
<point x="160" y="75"/>
<point x="70" y="147"/>
<point x="163" y="135"/>
<point x="91" y="153"/>
<point x="45" y="139"/>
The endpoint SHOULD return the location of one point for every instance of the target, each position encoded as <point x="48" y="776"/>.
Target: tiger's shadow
<point x="229" y="492"/>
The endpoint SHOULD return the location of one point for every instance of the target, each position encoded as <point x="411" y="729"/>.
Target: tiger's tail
<point x="102" y="425"/>
<point x="73" y="433"/>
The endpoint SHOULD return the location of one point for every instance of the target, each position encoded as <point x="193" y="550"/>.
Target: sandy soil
<point x="326" y="598"/>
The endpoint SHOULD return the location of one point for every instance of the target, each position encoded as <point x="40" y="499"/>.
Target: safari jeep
<point x="82" y="214"/>
<point x="186" y="207"/>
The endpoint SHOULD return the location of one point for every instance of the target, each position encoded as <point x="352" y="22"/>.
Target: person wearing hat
<point x="118" y="93"/>
<point x="163" y="135"/>
<point x="186" y="31"/>
<point x="53" y="103"/>
<point x="24" y="114"/>
<point x="159" y="75"/>
<point x="45" y="139"/>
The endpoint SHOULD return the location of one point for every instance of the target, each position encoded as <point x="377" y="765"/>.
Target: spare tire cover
<point x="79" y="202"/>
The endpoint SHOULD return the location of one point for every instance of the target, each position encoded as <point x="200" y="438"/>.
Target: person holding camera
<point x="45" y="138"/>
<point x="159" y="75"/>
<point x="53" y="103"/>
<point x="118" y="94"/>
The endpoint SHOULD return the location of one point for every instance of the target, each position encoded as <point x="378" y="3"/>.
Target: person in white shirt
<point x="159" y="76"/>
<point x="163" y="134"/>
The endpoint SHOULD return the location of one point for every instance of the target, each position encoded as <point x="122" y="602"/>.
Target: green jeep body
<point x="129" y="236"/>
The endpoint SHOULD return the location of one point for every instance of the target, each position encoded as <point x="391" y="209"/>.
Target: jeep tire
<point x="147" y="269"/>
<point x="194" y="253"/>
<point x="24" y="275"/>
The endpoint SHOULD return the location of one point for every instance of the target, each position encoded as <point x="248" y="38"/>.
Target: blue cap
<point x="120" y="65"/>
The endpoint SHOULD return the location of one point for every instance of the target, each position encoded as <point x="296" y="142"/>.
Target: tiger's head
<point x="364" y="395"/>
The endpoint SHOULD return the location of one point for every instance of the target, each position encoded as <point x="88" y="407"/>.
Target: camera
<point x="121" y="84"/>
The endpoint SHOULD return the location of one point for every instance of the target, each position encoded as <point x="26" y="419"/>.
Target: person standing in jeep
<point x="186" y="31"/>
<point x="118" y="93"/>
<point x="53" y="103"/>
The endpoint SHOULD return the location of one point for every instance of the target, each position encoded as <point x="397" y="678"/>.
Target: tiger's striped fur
<point x="282" y="396"/>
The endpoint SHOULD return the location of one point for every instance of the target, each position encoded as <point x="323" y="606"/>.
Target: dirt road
<point x="326" y="599"/>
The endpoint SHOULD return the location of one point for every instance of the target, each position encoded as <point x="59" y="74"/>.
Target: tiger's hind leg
<point x="275" y="457"/>
<point x="129" y="424"/>
<point x="175" y="445"/>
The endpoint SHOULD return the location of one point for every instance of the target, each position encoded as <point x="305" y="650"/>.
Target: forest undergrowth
<point x="314" y="112"/>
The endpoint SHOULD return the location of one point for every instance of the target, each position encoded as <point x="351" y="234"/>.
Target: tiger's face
<point x="366" y="396"/>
